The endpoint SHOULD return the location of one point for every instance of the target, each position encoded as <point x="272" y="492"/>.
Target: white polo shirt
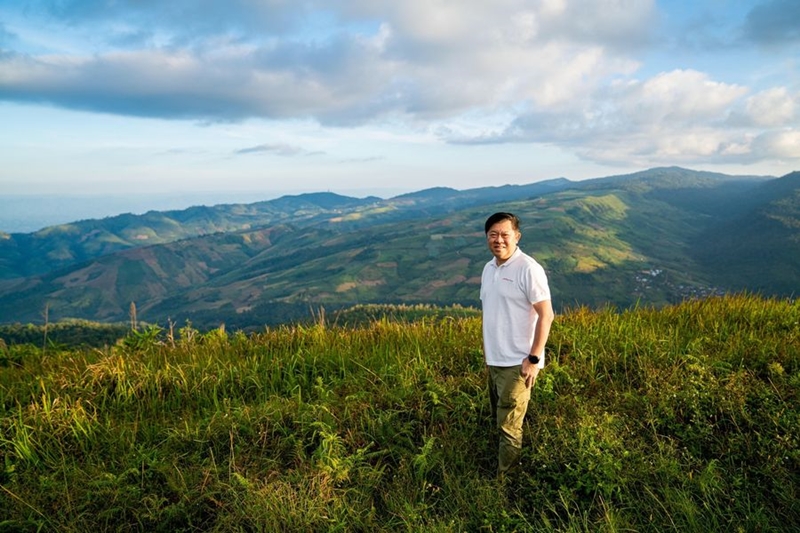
<point x="508" y="292"/>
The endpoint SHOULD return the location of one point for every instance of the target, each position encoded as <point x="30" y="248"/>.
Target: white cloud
<point x="555" y="72"/>
<point x="773" y="107"/>
<point x="670" y="100"/>
<point x="678" y="117"/>
<point x="422" y="58"/>
<point x="779" y="144"/>
<point x="677" y="98"/>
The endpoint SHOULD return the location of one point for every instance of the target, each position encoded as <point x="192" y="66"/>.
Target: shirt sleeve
<point x="535" y="283"/>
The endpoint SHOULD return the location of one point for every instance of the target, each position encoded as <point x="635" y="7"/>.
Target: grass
<point x="678" y="419"/>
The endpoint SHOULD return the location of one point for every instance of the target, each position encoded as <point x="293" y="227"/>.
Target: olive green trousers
<point x="509" y="399"/>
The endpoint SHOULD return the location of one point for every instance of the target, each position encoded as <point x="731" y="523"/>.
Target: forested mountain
<point x="757" y="246"/>
<point x="651" y="237"/>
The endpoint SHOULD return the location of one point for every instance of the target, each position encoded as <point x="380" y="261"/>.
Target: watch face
<point x="534" y="359"/>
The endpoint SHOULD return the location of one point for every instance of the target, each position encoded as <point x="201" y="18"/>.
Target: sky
<point x="269" y="97"/>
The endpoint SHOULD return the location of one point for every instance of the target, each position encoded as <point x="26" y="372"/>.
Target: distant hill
<point x="57" y="247"/>
<point x="757" y="246"/>
<point x="652" y="237"/>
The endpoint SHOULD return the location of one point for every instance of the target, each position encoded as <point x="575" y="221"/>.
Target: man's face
<point x="502" y="240"/>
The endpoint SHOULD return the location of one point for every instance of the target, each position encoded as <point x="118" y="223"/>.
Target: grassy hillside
<point x="679" y="419"/>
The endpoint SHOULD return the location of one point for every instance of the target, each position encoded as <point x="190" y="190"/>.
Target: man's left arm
<point x="544" y="311"/>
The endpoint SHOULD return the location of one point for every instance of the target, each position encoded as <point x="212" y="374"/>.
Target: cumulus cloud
<point x="353" y="62"/>
<point x="559" y="72"/>
<point x="680" y="117"/>
<point x="778" y="144"/>
<point x="678" y="99"/>
<point x="228" y="83"/>
<point x="775" y="107"/>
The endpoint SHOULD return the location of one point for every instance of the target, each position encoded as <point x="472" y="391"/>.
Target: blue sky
<point x="386" y="96"/>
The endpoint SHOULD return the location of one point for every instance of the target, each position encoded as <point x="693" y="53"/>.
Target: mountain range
<point x="648" y="238"/>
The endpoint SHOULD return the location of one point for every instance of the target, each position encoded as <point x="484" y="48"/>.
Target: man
<point x="517" y="314"/>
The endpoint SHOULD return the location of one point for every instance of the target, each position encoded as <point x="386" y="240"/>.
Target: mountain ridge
<point x="251" y="263"/>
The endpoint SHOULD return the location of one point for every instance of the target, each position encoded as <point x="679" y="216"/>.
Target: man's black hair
<point x="499" y="217"/>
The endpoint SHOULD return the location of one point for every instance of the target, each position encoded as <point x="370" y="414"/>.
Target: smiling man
<point x="517" y="314"/>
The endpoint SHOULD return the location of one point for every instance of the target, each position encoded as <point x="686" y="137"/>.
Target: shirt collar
<point x="516" y="254"/>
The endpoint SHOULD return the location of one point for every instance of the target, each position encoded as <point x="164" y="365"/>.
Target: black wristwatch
<point x="534" y="359"/>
